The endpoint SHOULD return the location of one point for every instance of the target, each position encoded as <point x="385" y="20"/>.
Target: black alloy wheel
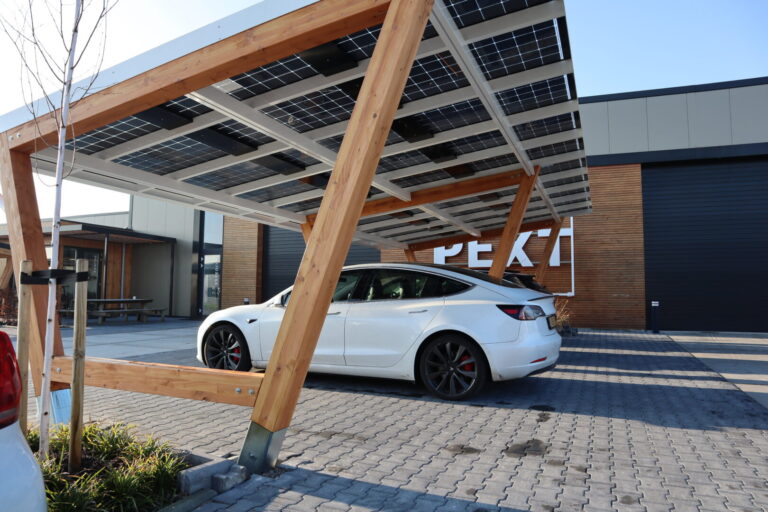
<point x="453" y="367"/>
<point x="225" y="348"/>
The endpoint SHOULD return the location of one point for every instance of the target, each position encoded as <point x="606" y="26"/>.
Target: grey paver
<point x="627" y="421"/>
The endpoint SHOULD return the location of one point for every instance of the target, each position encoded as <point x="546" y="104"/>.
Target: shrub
<point x="119" y="472"/>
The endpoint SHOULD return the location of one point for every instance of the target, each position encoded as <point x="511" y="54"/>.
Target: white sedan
<point x="449" y="328"/>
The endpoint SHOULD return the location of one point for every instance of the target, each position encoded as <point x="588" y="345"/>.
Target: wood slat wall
<point x="610" y="273"/>
<point x="241" y="261"/>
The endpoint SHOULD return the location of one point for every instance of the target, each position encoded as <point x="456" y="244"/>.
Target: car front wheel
<point x="452" y="367"/>
<point x="225" y="348"/>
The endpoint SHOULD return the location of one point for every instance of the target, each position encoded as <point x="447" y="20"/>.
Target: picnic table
<point x="133" y="306"/>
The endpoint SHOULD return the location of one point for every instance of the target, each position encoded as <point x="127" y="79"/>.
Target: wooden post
<point x="543" y="265"/>
<point x="23" y="340"/>
<point x="78" y="367"/>
<point x="410" y="255"/>
<point x="306" y="230"/>
<point x="512" y="227"/>
<point x="333" y="230"/>
<point x="5" y="277"/>
<point x="25" y="234"/>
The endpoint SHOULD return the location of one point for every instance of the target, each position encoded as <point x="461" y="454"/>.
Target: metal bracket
<point x="261" y="448"/>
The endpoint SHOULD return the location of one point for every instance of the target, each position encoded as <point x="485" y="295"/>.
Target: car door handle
<point x="334" y="313"/>
<point x="419" y="311"/>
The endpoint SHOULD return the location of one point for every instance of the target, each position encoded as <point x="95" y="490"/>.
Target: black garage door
<point x="706" y="244"/>
<point x="283" y="250"/>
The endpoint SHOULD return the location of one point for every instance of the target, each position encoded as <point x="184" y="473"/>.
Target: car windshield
<point x="478" y="275"/>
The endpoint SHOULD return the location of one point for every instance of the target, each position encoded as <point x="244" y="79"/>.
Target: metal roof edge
<point x="714" y="86"/>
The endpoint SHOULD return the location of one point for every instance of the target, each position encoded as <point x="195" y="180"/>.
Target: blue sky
<point x="631" y="45"/>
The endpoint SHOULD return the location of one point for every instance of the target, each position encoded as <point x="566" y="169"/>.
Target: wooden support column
<point x="543" y="265"/>
<point x="5" y="277"/>
<point x="25" y="234"/>
<point x="306" y="230"/>
<point x="410" y="255"/>
<point x="334" y="229"/>
<point x="512" y="227"/>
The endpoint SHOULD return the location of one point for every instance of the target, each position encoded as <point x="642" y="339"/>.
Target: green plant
<point x="120" y="472"/>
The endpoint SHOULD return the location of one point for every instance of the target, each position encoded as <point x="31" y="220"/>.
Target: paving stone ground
<point x="627" y="422"/>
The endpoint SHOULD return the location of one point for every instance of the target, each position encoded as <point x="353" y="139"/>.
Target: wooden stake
<point x="410" y="255"/>
<point x="543" y="265"/>
<point x="512" y="227"/>
<point x="78" y="368"/>
<point x="334" y="228"/>
<point x="23" y="340"/>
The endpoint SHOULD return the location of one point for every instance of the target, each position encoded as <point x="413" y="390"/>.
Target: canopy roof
<point x="490" y="97"/>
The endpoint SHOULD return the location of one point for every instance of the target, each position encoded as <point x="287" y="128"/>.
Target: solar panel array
<point x="442" y="133"/>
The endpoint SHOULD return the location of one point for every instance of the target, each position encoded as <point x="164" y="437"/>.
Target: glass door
<point x="94" y="257"/>
<point x="212" y="238"/>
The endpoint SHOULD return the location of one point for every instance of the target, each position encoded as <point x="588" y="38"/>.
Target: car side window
<point x="344" y="288"/>
<point x="395" y="284"/>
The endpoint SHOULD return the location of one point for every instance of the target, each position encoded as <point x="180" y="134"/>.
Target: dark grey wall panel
<point x="283" y="250"/>
<point x="706" y="244"/>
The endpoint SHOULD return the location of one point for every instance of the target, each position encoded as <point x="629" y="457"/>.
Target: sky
<point x="617" y="46"/>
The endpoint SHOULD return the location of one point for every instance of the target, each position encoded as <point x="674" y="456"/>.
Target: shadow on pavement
<point x="292" y="485"/>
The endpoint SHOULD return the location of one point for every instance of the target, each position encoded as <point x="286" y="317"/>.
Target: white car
<point x="449" y="328"/>
<point x="21" y="482"/>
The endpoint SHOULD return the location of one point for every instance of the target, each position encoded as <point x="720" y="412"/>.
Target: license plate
<point x="552" y="321"/>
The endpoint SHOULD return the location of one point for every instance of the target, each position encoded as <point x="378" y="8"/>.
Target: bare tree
<point x="47" y="37"/>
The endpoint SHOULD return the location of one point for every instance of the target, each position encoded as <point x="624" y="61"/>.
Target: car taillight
<point x="523" y="312"/>
<point x="10" y="382"/>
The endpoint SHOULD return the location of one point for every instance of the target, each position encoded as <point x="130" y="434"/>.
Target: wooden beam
<point x="455" y="190"/>
<point x="514" y="222"/>
<point x="25" y="234"/>
<point x="306" y="230"/>
<point x="410" y="255"/>
<point x="207" y="384"/>
<point x="5" y="277"/>
<point x="339" y="212"/>
<point x="541" y="268"/>
<point x="291" y="33"/>
<point x="485" y="235"/>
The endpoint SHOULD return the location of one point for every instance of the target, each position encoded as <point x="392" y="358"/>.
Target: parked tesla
<point x="452" y="329"/>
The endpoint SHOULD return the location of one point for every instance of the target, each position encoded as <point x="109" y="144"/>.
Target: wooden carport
<point x="399" y="124"/>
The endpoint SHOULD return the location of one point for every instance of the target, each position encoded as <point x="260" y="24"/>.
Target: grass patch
<point x="119" y="473"/>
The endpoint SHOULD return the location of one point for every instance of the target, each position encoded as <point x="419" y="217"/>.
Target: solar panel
<point x="536" y="95"/>
<point x="548" y="126"/>
<point x="111" y="135"/>
<point x="446" y="159"/>
<point x="471" y="12"/>
<point x="523" y="49"/>
<point x="278" y="191"/>
<point x="187" y="107"/>
<point x="232" y="176"/>
<point x="315" y="110"/>
<point x="555" y="149"/>
<point x="242" y="133"/>
<point x="457" y="115"/>
<point x="179" y="153"/>
<point x="432" y="75"/>
<point x="272" y="76"/>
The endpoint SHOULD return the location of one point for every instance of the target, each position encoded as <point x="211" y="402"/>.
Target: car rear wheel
<point x="452" y="367"/>
<point x="225" y="348"/>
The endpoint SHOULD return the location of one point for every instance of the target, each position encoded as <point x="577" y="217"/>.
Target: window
<point x="344" y="289"/>
<point x="388" y="284"/>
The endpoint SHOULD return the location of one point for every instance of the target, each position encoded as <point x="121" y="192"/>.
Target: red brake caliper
<point x="236" y="350"/>
<point x="469" y="366"/>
